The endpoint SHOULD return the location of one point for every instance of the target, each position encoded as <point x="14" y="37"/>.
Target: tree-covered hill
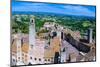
<point x="80" y="23"/>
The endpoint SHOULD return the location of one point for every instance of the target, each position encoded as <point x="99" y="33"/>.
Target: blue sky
<point x="53" y="8"/>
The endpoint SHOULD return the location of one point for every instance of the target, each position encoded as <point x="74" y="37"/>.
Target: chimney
<point x="90" y="31"/>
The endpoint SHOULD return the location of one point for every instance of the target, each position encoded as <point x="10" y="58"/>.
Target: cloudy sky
<point x="53" y="8"/>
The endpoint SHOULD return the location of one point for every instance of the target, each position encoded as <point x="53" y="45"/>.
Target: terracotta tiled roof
<point x="55" y="44"/>
<point x="76" y="34"/>
<point x="25" y="47"/>
<point x="49" y="53"/>
<point x="54" y="47"/>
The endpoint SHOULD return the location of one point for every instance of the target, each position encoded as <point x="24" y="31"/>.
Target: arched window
<point x="39" y="59"/>
<point x="31" y="46"/>
<point x="64" y="50"/>
<point x="13" y="60"/>
<point x="48" y="59"/>
<point x="45" y="59"/>
<point x="29" y="64"/>
<point x="35" y="58"/>
<point x="18" y="57"/>
<point x="30" y="57"/>
<point x="32" y="21"/>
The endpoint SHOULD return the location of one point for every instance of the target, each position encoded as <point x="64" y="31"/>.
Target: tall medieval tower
<point x="32" y="41"/>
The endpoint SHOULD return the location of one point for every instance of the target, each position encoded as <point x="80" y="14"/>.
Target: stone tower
<point x="19" y="51"/>
<point x="90" y="33"/>
<point x="31" y="38"/>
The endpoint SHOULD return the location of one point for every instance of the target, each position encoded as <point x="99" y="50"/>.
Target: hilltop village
<point x="51" y="44"/>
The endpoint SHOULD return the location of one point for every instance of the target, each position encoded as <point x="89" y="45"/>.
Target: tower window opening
<point x="30" y="57"/>
<point x="35" y="58"/>
<point x="39" y="59"/>
<point x="32" y="21"/>
<point x="31" y="46"/>
<point x="45" y="60"/>
<point x="48" y="59"/>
